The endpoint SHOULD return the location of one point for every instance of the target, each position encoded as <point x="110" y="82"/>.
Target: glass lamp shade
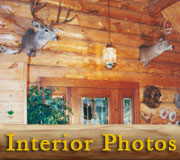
<point x="109" y="55"/>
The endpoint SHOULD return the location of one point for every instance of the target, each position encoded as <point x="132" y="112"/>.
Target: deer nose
<point x="55" y="38"/>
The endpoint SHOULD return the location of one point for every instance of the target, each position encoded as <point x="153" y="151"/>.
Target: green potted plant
<point x="43" y="109"/>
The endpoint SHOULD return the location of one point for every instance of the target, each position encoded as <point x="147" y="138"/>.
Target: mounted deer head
<point x="148" y="53"/>
<point x="8" y="50"/>
<point x="34" y="39"/>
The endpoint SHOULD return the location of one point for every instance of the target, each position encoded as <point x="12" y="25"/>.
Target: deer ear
<point x="57" y="30"/>
<point x="36" y="25"/>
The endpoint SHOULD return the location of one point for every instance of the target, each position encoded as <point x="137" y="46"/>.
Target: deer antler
<point x="35" y="6"/>
<point x="58" y="14"/>
<point x="165" y="29"/>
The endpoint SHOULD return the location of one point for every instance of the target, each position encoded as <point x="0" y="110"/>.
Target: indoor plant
<point x="43" y="109"/>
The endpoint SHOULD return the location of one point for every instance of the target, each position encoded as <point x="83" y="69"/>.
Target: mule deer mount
<point x="34" y="39"/>
<point x="148" y="53"/>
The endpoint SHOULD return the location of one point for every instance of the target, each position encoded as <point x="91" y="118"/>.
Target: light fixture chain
<point x="108" y="21"/>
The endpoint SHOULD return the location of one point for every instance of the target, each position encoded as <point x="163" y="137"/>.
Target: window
<point x="94" y="110"/>
<point x="99" y="102"/>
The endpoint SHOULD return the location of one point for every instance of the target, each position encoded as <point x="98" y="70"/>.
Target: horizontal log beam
<point x="95" y="9"/>
<point x="35" y="72"/>
<point x="156" y="6"/>
<point x="95" y="62"/>
<point x="14" y="70"/>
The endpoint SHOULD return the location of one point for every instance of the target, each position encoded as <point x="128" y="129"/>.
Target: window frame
<point x="117" y="89"/>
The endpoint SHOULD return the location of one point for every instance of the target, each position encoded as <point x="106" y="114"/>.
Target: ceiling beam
<point x="156" y="6"/>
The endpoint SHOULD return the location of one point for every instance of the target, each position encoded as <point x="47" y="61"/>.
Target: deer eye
<point x="46" y="30"/>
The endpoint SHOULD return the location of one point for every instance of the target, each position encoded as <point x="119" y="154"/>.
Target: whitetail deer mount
<point x="34" y="39"/>
<point x="8" y="50"/>
<point x="148" y="53"/>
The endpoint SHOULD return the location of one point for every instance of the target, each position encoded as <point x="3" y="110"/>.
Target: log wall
<point x="78" y="52"/>
<point x="13" y="82"/>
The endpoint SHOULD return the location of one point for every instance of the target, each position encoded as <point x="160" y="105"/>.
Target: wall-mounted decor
<point x="34" y="39"/>
<point x="178" y="122"/>
<point x="8" y="50"/>
<point x="147" y="116"/>
<point x="10" y="111"/>
<point x="163" y="113"/>
<point x="177" y="100"/>
<point x="147" y="53"/>
<point x="152" y="97"/>
<point x="172" y="116"/>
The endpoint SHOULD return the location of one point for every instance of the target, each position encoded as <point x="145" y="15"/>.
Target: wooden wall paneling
<point x="162" y="81"/>
<point x="14" y="71"/>
<point x="156" y="6"/>
<point x="13" y="81"/>
<point x="17" y="106"/>
<point x="18" y="118"/>
<point x="93" y="8"/>
<point x="95" y="62"/>
<point x="17" y="96"/>
<point x="172" y="14"/>
<point x="6" y="85"/>
<point x="25" y="91"/>
<point x="14" y="58"/>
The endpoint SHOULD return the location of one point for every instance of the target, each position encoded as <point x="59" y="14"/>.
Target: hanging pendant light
<point x="109" y="51"/>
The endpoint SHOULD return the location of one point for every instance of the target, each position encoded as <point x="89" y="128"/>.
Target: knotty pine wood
<point x="17" y="96"/>
<point x="18" y="118"/>
<point x="172" y="14"/>
<point x="13" y="69"/>
<point x="93" y="8"/>
<point x="95" y="63"/>
<point x="163" y="81"/>
<point x="13" y="82"/>
<point x="156" y="6"/>
<point x="17" y="106"/>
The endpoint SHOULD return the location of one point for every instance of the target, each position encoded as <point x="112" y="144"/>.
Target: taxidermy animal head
<point x="148" y="53"/>
<point x="8" y="50"/>
<point x="34" y="39"/>
<point x="177" y="100"/>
